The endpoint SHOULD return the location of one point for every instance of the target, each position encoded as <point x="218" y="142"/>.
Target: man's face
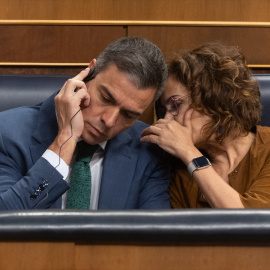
<point x="115" y="104"/>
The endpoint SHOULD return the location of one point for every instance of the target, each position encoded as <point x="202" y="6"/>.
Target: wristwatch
<point x="198" y="164"/>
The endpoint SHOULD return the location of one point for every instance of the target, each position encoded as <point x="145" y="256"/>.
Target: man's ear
<point x="91" y="75"/>
<point x="92" y="64"/>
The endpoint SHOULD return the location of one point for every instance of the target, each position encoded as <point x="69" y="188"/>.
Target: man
<point x="98" y="106"/>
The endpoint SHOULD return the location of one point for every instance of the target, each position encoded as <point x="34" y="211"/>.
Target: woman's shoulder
<point x="261" y="146"/>
<point x="263" y="134"/>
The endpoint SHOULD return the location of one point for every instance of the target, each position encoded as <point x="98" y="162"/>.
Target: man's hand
<point x="70" y="120"/>
<point x="68" y="104"/>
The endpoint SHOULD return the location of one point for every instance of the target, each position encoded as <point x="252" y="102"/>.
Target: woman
<point x="211" y="110"/>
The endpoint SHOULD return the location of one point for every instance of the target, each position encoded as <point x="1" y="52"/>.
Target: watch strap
<point x="191" y="167"/>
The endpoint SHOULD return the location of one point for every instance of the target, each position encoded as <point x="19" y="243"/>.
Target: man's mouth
<point x="96" y="132"/>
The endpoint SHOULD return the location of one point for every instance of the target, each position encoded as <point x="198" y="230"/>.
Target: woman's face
<point x="176" y="100"/>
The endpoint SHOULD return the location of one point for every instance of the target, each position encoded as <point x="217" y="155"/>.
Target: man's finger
<point x="82" y="74"/>
<point x="72" y="86"/>
<point x="83" y="97"/>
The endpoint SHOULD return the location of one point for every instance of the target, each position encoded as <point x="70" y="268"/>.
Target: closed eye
<point x="126" y="115"/>
<point x="130" y="114"/>
<point x="106" y="99"/>
<point x="179" y="103"/>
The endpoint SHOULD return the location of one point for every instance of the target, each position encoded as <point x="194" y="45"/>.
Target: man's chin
<point x="92" y="139"/>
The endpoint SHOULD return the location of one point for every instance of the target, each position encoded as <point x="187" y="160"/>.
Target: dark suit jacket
<point x="135" y="175"/>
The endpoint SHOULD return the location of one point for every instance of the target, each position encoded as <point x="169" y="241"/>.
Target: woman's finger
<point x="150" y="138"/>
<point x="187" y="118"/>
<point x="151" y="130"/>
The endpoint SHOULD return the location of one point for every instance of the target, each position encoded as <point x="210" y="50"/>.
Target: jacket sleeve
<point x="41" y="187"/>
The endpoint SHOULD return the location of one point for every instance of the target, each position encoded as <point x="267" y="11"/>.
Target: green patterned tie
<point x="80" y="183"/>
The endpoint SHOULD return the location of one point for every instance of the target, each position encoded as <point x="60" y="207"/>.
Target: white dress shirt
<point x="96" y="167"/>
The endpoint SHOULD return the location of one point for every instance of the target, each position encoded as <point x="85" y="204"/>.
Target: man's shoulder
<point x="137" y="127"/>
<point x="16" y="124"/>
<point x="18" y="115"/>
<point x="133" y="135"/>
<point x="25" y="115"/>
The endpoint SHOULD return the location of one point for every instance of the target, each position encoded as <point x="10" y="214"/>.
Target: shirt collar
<point x="102" y="144"/>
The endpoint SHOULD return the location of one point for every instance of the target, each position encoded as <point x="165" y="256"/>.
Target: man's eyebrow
<point x="107" y="91"/>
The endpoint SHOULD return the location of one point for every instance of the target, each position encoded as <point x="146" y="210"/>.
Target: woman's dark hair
<point x="221" y="86"/>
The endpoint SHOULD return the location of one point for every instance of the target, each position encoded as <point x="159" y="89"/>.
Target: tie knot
<point x="85" y="151"/>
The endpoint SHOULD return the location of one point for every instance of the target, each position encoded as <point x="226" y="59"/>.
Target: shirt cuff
<point x="58" y="163"/>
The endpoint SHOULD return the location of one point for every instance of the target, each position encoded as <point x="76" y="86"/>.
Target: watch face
<point x="201" y="162"/>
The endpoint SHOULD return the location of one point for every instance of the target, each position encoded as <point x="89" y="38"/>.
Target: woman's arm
<point x="177" y="140"/>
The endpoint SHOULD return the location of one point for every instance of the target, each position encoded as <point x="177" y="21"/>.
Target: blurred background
<point x="63" y="36"/>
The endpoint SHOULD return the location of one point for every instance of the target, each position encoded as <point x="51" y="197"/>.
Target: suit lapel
<point x="45" y="130"/>
<point x="118" y="170"/>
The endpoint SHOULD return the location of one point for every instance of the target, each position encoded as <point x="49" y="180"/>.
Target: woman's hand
<point x="173" y="137"/>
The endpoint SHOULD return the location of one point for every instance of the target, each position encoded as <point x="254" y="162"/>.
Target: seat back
<point x="264" y="81"/>
<point x="24" y="90"/>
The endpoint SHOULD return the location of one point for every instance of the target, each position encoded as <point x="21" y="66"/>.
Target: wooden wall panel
<point x="55" y="44"/>
<point x="67" y="256"/>
<point x="253" y="41"/>
<point x="37" y="255"/>
<point x="81" y="43"/>
<point x="172" y="10"/>
<point x="171" y="257"/>
<point x="57" y="70"/>
<point x="35" y="42"/>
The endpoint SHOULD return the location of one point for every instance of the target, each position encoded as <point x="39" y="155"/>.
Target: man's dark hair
<point x="139" y="58"/>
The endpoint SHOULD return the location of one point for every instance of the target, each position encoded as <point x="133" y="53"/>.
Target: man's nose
<point x="110" y="116"/>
